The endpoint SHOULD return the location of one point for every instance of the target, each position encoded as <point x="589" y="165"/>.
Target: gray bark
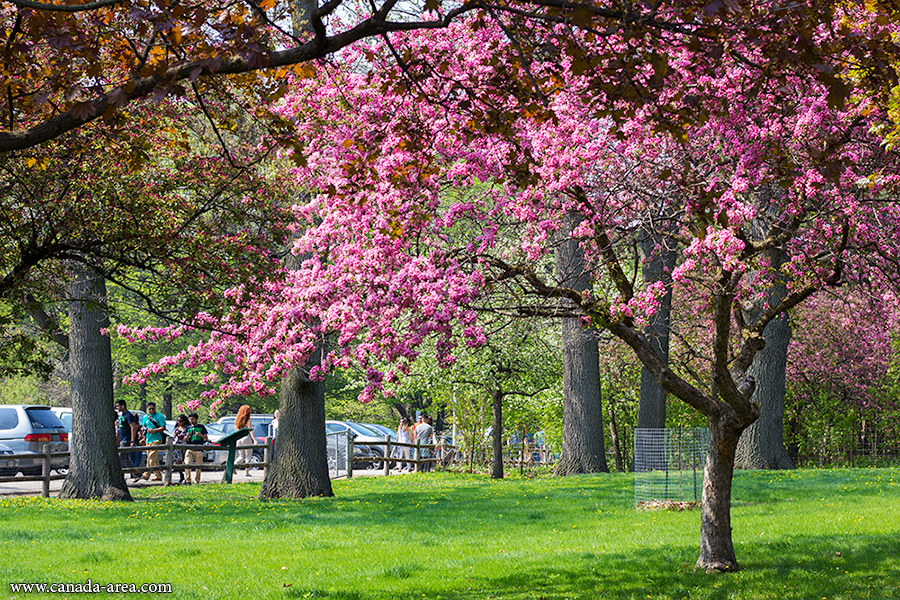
<point x="716" y="547"/>
<point x="659" y="260"/>
<point x="300" y="466"/>
<point x="94" y="469"/>
<point x="167" y="404"/>
<point x="583" y="448"/>
<point x="497" y="435"/>
<point x="762" y="444"/>
<point x="614" y="439"/>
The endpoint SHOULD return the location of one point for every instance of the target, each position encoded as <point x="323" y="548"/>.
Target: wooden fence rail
<point x="418" y="461"/>
<point x="166" y="468"/>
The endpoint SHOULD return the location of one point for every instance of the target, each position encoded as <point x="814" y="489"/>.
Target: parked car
<point x="373" y="440"/>
<point x="8" y="466"/>
<point x="383" y="429"/>
<point x="25" y="428"/>
<point x="255" y="419"/>
<point x="217" y="431"/>
<point x="64" y="414"/>
<point x="337" y="448"/>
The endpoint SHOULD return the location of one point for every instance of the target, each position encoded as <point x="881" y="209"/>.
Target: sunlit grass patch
<point x="798" y="535"/>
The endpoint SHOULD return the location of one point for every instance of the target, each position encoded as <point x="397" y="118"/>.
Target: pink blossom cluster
<point x="642" y="306"/>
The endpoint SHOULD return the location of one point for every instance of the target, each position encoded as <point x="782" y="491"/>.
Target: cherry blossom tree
<point x="481" y="129"/>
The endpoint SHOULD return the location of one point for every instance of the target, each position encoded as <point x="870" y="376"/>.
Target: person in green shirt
<point x="194" y="434"/>
<point x="154" y="425"/>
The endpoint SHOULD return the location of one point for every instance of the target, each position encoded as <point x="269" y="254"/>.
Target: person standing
<point x="154" y="425"/>
<point x="241" y="421"/>
<point x="181" y="425"/>
<point x="404" y="436"/>
<point x="195" y="435"/>
<point x="425" y="435"/>
<point x="128" y="432"/>
<point x="273" y="426"/>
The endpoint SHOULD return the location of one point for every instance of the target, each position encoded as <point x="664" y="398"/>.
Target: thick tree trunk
<point x="762" y="444"/>
<point x="583" y="449"/>
<point x="658" y="264"/>
<point x="716" y="548"/>
<point x="497" y="436"/>
<point x="300" y="466"/>
<point x="582" y="446"/>
<point x="94" y="469"/>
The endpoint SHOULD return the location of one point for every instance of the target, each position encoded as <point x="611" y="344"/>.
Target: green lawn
<point x="808" y="534"/>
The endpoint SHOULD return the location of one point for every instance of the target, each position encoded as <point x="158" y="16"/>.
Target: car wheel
<point x="62" y="470"/>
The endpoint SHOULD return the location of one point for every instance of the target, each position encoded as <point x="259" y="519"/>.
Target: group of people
<point x="150" y="430"/>
<point x="421" y="432"/>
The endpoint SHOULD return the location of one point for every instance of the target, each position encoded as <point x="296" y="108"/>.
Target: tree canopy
<point x="69" y="63"/>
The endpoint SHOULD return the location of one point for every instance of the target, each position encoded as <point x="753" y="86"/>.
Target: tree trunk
<point x="614" y="439"/>
<point x="300" y="466"/>
<point x="659" y="260"/>
<point x="167" y="404"/>
<point x="94" y="469"/>
<point x="497" y="436"/>
<point x="762" y="444"/>
<point x="583" y="449"/>
<point x="716" y="548"/>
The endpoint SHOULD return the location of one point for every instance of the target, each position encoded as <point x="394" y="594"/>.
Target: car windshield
<point x="219" y="428"/>
<point x="44" y="418"/>
<point x="363" y="430"/>
<point x="228" y="423"/>
<point x="381" y="429"/>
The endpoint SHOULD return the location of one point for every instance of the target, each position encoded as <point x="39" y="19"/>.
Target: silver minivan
<point x="26" y="428"/>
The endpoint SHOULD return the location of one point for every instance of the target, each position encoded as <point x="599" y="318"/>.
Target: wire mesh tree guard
<point x="668" y="464"/>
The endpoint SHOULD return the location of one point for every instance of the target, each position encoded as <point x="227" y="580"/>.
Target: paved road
<point x="33" y="488"/>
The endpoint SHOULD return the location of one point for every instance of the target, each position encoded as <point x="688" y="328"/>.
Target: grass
<point x="811" y="534"/>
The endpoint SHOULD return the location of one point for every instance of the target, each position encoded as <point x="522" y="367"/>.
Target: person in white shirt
<point x="404" y="436"/>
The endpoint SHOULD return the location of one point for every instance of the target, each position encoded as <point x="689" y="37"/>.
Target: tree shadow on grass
<point x="845" y="567"/>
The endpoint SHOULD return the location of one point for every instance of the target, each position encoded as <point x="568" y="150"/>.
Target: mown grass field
<point x="813" y="534"/>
